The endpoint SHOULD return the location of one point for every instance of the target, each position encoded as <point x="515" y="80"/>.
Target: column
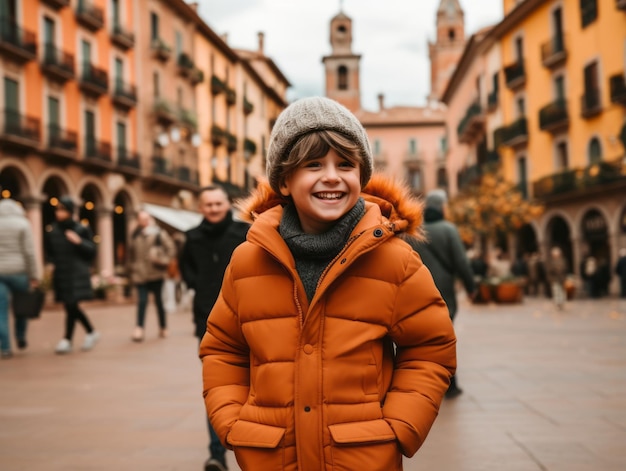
<point x="105" y="246"/>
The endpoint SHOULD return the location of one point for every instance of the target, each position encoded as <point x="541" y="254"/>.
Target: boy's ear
<point x="284" y="190"/>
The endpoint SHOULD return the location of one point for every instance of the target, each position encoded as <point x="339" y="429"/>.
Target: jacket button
<point x="378" y="233"/>
<point x="308" y="349"/>
<point x="307" y="409"/>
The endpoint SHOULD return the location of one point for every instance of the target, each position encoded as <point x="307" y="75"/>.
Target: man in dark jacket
<point x="203" y="261"/>
<point x="70" y="248"/>
<point x="445" y="257"/>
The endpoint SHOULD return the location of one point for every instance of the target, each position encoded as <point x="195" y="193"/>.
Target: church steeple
<point x="342" y="65"/>
<point x="446" y="51"/>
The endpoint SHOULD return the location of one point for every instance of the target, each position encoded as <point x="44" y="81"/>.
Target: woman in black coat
<point x="70" y="248"/>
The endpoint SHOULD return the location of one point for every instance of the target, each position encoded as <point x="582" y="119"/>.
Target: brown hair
<point x="317" y="144"/>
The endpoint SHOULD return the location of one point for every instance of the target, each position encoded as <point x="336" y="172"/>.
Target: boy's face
<point x="323" y="190"/>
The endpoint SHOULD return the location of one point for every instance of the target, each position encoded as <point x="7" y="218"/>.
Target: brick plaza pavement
<point x="544" y="390"/>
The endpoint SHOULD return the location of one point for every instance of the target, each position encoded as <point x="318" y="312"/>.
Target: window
<point x="120" y="129"/>
<point x="86" y="55"/>
<point x="342" y="77"/>
<point x="11" y="95"/>
<point x="377" y="147"/>
<point x="48" y="34"/>
<point x="443" y="144"/>
<point x="415" y="179"/>
<point x="562" y="158"/>
<point x="522" y="176"/>
<point x="413" y="147"/>
<point x="588" y="12"/>
<point x="115" y="7"/>
<point x="591" y="98"/>
<point x="90" y="133"/>
<point x="154" y="26"/>
<point x="451" y="35"/>
<point x="595" y="151"/>
<point x="119" y="74"/>
<point x="179" y="44"/>
<point x="53" y="118"/>
<point x="156" y="84"/>
<point x="519" y="49"/>
<point x="442" y="178"/>
<point x="520" y="105"/>
<point x="559" y="88"/>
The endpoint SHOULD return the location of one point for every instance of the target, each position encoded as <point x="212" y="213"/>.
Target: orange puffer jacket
<point x="351" y="380"/>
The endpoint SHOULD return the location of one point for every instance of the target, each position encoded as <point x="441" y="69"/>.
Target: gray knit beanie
<point x="436" y="199"/>
<point x="308" y="115"/>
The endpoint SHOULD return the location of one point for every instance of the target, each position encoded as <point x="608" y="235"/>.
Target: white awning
<point x="179" y="219"/>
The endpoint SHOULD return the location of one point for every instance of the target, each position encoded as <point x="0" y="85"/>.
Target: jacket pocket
<point x="255" y="444"/>
<point x="371" y="441"/>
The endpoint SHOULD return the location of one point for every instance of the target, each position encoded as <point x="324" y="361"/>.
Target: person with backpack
<point x="444" y="255"/>
<point x="151" y="250"/>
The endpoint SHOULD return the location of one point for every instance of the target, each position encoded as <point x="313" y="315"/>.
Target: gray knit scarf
<point x="313" y="252"/>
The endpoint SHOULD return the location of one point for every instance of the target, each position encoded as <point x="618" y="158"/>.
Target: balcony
<point x="380" y="160"/>
<point x="515" y="75"/>
<point x="187" y="175"/>
<point x="581" y="180"/>
<point x="94" y="81"/>
<point x="492" y="100"/>
<point x="124" y="95"/>
<point x="57" y="64"/>
<point x="472" y="125"/>
<point x="620" y="4"/>
<point x="128" y="162"/>
<point x="197" y="76"/>
<point x="57" y="4"/>
<point x="591" y="104"/>
<point x="249" y="148"/>
<point x="121" y="37"/>
<point x="16" y="43"/>
<point x="413" y="159"/>
<point x="160" y="49"/>
<point x="89" y="15"/>
<point x="247" y="106"/>
<point x="167" y="176"/>
<point x="185" y="65"/>
<point x="188" y="119"/>
<point x="514" y="135"/>
<point x="554" y="117"/>
<point x="231" y="96"/>
<point x="217" y="86"/>
<point x="165" y="112"/>
<point x="617" y="85"/>
<point x="97" y="154"/>
<point x="553" y="53"/>
<point x="62" y="144"/>
<point x="231" y="142"/>
<point x="218" y="136"/>
<point x="20" y="131"/>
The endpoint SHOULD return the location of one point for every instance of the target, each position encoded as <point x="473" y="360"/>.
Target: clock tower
<point x="342" y="66"/>
<point x="446" y="51"/>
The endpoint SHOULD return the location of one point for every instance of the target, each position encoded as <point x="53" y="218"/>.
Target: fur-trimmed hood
<point x="397" y="204"/>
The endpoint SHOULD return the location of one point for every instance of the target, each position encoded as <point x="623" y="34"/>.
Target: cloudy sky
<point x="391" y="35"/>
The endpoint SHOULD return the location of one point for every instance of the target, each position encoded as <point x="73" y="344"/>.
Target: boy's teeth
<point x="328" y="196"/>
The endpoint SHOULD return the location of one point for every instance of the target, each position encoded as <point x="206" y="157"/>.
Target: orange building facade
<point x="116" y="103"/>
<point x="553" y="118"/>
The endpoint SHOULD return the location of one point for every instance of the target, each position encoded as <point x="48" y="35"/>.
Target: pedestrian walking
<point x="329" y="337"/>
<point x="69" y="246"/>
<point x="151" y="251"/>
<point x="444" y="255"/>
<point x="18" y="270"/>
<point x="556" y="273"/>
<point x="203" y="261"/>
<point x="535" y="274"/>
<point x="620" y="271"/>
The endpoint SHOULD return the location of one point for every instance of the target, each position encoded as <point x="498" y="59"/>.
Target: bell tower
<point x="342" y="66"/>
<point x="446" y="51"/>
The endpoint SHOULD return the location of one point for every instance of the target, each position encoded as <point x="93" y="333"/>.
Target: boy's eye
<point x="312" y="164"/>
<point x="347" y="163"/>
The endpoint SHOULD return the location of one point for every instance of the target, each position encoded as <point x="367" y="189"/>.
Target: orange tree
<point x="490" y="207"/>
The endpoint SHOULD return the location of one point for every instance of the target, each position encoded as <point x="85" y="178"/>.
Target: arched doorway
<point x="526" y="240"/>
<point x="122" y="207"/>
<point x="12" y="184"/>
<point x="559" y="235"/>
<point x="595" y="235"/>
<point x="88" y="210"/>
